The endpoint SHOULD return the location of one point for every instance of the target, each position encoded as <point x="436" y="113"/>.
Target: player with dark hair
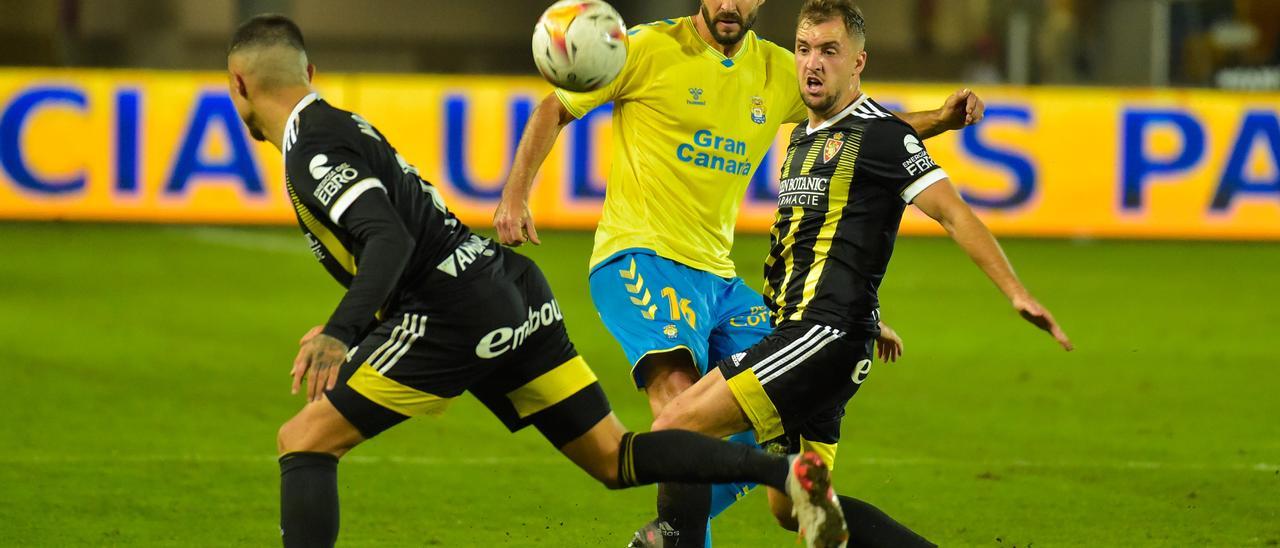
<point x="849" y="173"/>
<point x="696" y="107"/>
<point x="433" y="310"/>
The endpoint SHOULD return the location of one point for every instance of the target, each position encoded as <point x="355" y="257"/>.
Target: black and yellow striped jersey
<point x="842" y="192"/>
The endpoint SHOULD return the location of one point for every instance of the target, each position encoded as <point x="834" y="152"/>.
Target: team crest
<point x="671" y="331"/>
<point x="834" y="144"/>
<point x="757" y="110"/>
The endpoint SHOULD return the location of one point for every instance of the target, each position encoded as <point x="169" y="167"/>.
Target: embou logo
<point x="504" y="339"/>
<point x="861" y="371"/>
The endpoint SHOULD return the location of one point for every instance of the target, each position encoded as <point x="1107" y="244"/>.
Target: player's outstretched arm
<point x="962" y="108"/>
<point x="942" y="203"/>
<point x="513" y="218"/>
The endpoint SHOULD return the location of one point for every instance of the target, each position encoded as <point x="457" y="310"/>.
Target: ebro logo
<point x="504" y="339"/>
<point x="331" y="179"/>
<point x="912" y="144"/>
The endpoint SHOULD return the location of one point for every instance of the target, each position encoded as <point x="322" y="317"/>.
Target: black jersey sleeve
<point x="330" y="176"/>
<point x="372" y="220"/>
<point x="894" y="155"/>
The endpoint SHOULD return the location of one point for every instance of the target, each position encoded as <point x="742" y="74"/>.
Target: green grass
<point x="146" y="374"/>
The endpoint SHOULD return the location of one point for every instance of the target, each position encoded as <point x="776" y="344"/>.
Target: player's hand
<point x="888" y="344"/>
<point x="319" y="360"/>
<point x="962" y="108"/>
<point x="1039" y="316"/>
<point x="514" y="221"/>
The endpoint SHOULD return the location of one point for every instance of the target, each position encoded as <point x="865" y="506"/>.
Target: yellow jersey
<point x="689" y="128"/>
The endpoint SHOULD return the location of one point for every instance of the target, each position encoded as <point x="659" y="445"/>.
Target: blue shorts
<point x="653" y="305"/>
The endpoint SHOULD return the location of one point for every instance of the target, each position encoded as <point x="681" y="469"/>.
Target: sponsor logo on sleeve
<point x="919" y="162"/>
<point x="331" y="179"/>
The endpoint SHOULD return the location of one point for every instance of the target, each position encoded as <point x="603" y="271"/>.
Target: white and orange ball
<point x="580" y="45"/>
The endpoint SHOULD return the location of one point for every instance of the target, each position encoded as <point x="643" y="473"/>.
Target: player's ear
<point x="311" y="72"/>
<point x="860" y="62"/>
<point x="241" y="88"/>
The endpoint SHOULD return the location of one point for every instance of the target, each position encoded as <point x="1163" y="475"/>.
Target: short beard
<point x="255" y="130"/>
<point x="823" y="105"/>
<point x="729" y="39"/>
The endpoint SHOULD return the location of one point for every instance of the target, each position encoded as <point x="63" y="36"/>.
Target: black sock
<point x="869" y="527"/>
<point x="680" y="456"/>
<point x="309" y="500"/>
<point x="683" y="511"/>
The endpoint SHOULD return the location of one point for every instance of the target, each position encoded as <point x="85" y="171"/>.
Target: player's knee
<point x="674" y="417"/>
<point x="302" y="434"/>
<point x="288" y="437"/>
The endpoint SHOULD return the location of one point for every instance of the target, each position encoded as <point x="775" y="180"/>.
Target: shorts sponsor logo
<point x="861" y="371"/>
<point x="505" y="339"/>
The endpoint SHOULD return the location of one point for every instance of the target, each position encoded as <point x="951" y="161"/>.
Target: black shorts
<point x="500" y="336"/>
<point x="794" y="384"/>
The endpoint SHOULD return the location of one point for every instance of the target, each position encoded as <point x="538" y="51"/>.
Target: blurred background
<point x="1232" y="44"/>
<point x="154" y="283"/>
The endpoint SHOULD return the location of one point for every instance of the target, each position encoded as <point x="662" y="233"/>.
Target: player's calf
<point x="310" y="444"/>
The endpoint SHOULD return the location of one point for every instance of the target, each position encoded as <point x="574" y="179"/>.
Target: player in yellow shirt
<point x="696" y="107"/>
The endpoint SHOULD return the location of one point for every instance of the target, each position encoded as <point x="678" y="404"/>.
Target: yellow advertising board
<point x="1064" y="162"/>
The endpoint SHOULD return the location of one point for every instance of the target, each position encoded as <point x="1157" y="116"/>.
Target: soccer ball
<point x="580" y="45"/>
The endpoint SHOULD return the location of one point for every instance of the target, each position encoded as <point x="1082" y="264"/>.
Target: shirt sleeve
<point x="621" y="88"/>
<point x="372" y="220"/>
<point x="894" y="155"/>
<point x="330" y="176"/>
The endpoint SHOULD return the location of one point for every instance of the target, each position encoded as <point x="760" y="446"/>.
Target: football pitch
<point x="147" y="372"/>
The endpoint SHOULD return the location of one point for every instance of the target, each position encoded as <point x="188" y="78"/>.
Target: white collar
<point x="290" y="124"/>
<point x="809" y="130"/>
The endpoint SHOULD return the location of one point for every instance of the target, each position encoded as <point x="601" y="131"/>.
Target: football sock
<point x="869" y="527"/>
<point x="683" y="511"/>
<point x="723" y="495"/>
<point x="680" y="456"/>
<point x="309" y="500"/>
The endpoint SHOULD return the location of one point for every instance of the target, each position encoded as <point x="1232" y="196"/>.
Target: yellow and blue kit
<point x="689" y="127"/>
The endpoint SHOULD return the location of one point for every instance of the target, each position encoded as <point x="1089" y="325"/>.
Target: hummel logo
<point x="695" y="95"/>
